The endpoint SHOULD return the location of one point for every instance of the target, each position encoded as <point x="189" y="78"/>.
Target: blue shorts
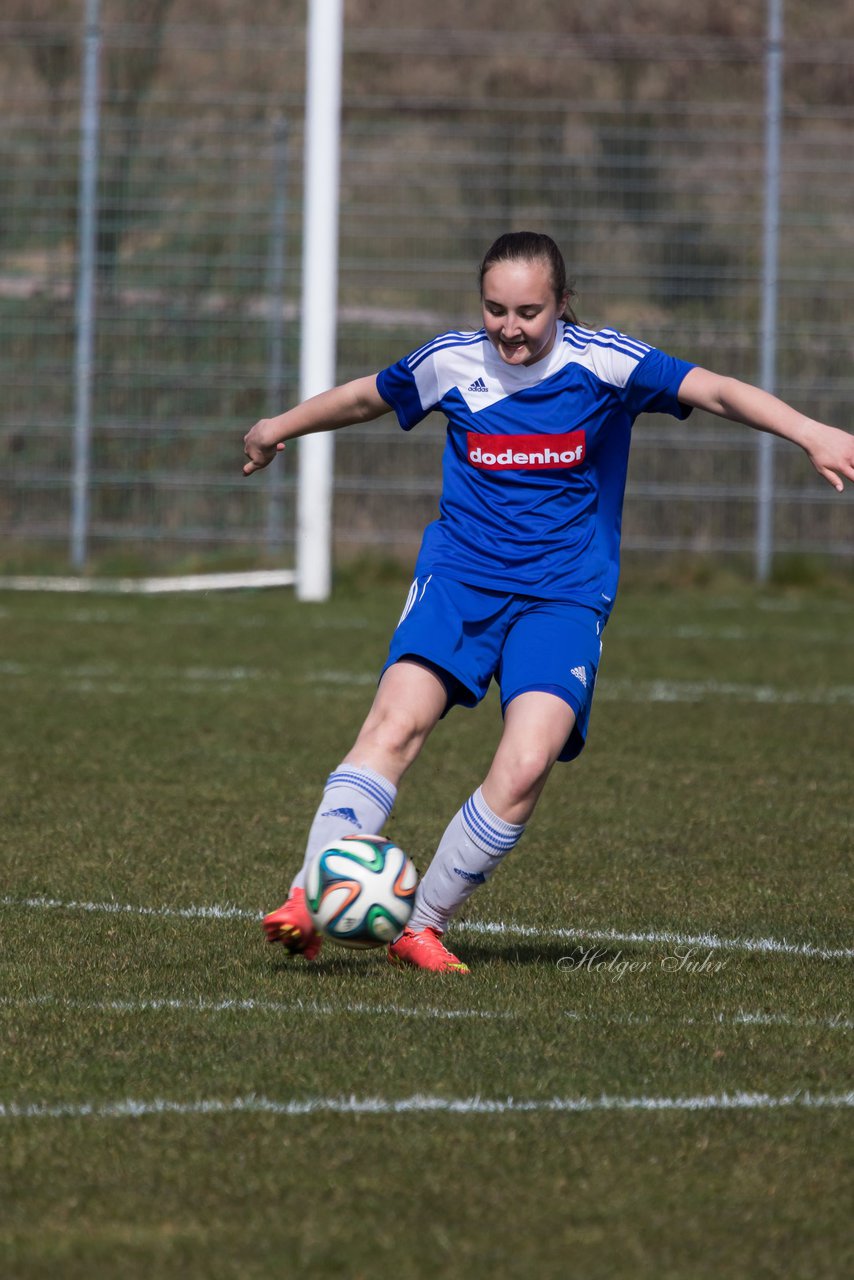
<point x="467" y="635"/>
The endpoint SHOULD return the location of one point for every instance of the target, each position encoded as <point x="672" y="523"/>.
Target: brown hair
<point x="532" y="246"/>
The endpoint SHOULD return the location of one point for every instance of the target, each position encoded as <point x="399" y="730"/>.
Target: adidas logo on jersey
<point x="580" y="674"/>
<point x="478" y="385"/>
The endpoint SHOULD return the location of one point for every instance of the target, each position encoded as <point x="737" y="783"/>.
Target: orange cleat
<point x="292" y="926"/>
<point x="424" y="950"/>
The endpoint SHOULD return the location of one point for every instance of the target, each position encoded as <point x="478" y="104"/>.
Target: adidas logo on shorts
<point x="580" y="674"/>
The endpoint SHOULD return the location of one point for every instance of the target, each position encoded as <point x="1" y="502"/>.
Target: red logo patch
<point x="540" y="453"/>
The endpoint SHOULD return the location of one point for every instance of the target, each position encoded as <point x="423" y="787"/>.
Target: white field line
<point x="124" y="908"/>
<point x="710" y="941"/>
<point x="315" y="1008"/>
<point x="677" y="630"/>
<point x="665" y="690"/>
<point x="310" y="1007"/>
<point x="702" y="690"/>
<point x="109" y="678"/>
<point x="130" y="617"/>
<point x="135" y="1108"/>
<point x="500" y="928"/>
<point x="741" y="1019"/>
<point x="106" y="670"/>
<point x="738" y="634"/>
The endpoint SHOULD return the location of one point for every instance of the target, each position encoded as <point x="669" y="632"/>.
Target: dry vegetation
<point x="632" y="132"/>
<point x="649" y="51"/>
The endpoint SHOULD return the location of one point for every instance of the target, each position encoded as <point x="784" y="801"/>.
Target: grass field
<point x="647" y="1073"/>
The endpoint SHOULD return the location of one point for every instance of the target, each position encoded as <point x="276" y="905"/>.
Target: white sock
<point x="469" y="852"/>
<point x="356" y="800"/>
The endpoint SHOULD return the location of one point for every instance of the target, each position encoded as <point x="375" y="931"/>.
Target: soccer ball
<point x="360" y="891"/>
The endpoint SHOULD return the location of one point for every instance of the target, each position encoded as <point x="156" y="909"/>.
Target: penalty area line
<point x="135" y="1108"/>
<point x="710" y="941"/>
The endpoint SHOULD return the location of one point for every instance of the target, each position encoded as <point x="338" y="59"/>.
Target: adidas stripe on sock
<point x="474" y="843"/>
<point x="355" y="800"/>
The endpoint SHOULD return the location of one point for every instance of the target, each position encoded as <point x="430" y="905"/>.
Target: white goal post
<point x="319" y="291"/>
<point x="312" y="576"/>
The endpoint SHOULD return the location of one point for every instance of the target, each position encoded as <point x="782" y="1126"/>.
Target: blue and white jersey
<point x="535" y="462"/>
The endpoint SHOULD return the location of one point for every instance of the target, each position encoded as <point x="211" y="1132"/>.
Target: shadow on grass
<point x="476" y="952"/>
<point x="483" y="951"/>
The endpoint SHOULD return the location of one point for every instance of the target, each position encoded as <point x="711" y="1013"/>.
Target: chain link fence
<point x="643" y="156"/>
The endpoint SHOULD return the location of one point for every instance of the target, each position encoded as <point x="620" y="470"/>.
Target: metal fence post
<point x="770" y="261"/>
<point x="85" y="299"/>
<point x="276" y="325"/>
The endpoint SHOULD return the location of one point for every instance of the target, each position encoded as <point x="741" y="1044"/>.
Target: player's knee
<point x="525" y="769"/>
<point x="396" y="732"/>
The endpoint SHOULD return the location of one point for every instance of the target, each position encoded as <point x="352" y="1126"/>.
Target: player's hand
<point x="257" y="449"/>
<point x="831" y="452"/>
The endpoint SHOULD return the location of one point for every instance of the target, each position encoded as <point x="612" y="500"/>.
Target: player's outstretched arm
<point x="357" y="401"/>
<point x="830" y="450"/>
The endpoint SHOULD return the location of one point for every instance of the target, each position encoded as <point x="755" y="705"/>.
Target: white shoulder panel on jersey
<point x="609" y="355"/>
<point x="460" y="359"/>
<point x="454" y="360"/>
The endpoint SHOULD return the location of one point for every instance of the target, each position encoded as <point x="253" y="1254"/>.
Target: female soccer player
<point x="516" y="578"/>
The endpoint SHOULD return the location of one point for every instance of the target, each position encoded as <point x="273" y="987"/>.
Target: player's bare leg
<point x="360" y="793"/>
<point x="487" y="827"/>
<point x="536" y="728"/>
<point x="409" y="701"/>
